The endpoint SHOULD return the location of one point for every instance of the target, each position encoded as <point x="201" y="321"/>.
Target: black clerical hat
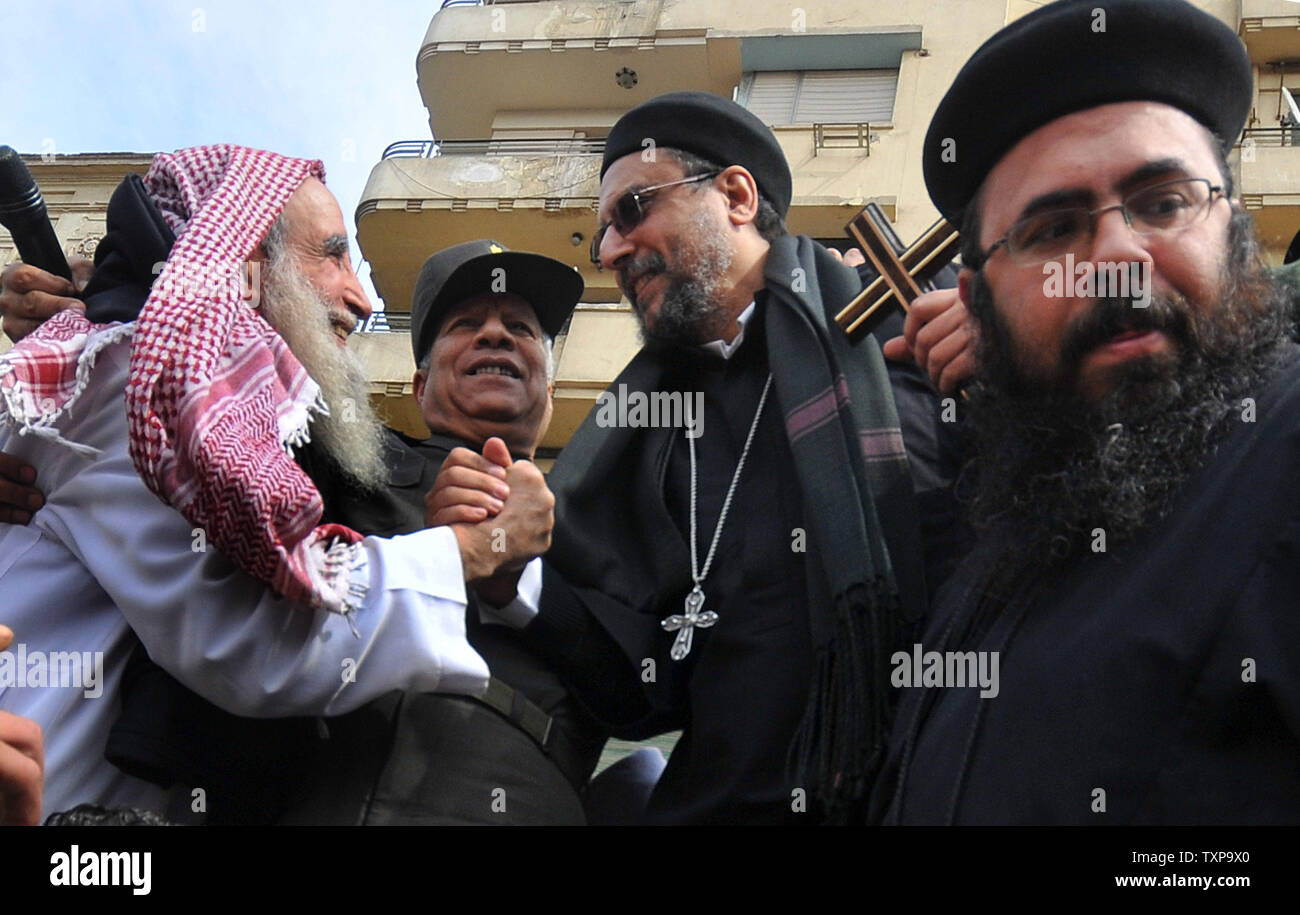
<point x="455" y="274"/>
<point x="1076" y="54"/>
<point x="709" y="126"/>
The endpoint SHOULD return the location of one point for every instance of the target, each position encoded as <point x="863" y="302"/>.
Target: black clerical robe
<point x="1155" y="683"/>
<point x="740" y="694"/>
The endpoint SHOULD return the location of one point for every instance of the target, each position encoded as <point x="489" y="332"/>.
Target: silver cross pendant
<point x="684" y="624"/>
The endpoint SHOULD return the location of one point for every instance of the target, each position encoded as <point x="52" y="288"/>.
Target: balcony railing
<point x="386" y="322"/>
<point x="1270" y="136"/>
<point x="841" y="136"/>
<point x="428" y="149"/>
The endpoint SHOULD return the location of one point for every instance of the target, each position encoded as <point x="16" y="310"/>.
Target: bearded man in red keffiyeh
<point x="215" y="401"/>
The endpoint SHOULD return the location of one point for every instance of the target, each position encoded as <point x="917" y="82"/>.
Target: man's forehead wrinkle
<point x="519" y="307"/>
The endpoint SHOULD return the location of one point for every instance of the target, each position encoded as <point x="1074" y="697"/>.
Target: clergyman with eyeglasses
<point x="1137" y="565"/>
<point x="746" y="584"/>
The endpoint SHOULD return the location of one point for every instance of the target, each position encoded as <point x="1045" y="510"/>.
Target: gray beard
<point x="1051" y="468"/>
<point x="351" y="434"/>
<point x="691" y="312"/>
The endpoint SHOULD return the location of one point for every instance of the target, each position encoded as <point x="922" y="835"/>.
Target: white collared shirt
<point x="722" y="347"/>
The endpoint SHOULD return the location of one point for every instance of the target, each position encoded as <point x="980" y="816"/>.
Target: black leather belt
<point x="545" y="731"/>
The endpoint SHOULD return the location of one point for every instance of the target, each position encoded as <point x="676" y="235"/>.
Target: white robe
<point x="104" y="556"/>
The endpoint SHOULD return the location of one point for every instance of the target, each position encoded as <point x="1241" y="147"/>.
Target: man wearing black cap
<point x="745" y="577"/>
<point x="506" y="397"/>
<point x="1134" y="586"/>
<point x="483" y="319"/>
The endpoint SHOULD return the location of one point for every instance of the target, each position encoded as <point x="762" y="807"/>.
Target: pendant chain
<point x="698" y="575"/>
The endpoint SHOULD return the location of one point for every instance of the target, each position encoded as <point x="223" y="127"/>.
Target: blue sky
<point x="331" y="79"/>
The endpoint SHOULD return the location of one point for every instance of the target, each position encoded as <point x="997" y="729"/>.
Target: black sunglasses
<point x="630" y="209"/>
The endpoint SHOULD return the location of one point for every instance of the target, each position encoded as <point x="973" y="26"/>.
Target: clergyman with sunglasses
<point x="1137" y="564"/>
<point x="745" y="575"/>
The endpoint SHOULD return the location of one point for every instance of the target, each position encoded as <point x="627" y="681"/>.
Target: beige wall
<point x="1251" y="9"/>
<point x="76" y="189"/>
<point x="546" y="69"/>
<point x="472" y="81"/>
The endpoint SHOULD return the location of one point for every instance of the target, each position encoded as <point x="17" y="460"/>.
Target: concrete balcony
<point x="541" y="196"/>
<point x="600" y="342"/>
<point x="1267" y="164"/>
<point x="834" y="179"/>
<point x="480" y="67"/>
<point x="538" y="198"/>
<point x="596" y="58"/>
<point x="390" y="370"/>
<point x="1270" y="30"/>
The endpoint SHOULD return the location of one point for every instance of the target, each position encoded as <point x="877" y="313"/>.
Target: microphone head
<point x="20" y="199"/>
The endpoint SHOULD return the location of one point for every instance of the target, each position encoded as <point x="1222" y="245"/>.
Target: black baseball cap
<point x="457" y="273"/>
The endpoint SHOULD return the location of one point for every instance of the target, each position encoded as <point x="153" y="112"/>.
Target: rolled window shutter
<point x="785" y="97"/>
<point x="847" y="96"/>
<point x="772" y="96"/>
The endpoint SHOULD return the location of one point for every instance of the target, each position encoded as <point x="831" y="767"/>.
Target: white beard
<point x="351" y="433"/>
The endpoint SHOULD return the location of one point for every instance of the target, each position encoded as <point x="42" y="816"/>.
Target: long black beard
<point x="1052" y="470"/>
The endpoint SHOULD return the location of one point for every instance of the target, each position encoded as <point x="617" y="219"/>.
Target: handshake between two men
<point x="483" y="386"/>
<point x="480" y="358"/>
<point x="501" y="512"/>
<point x="497" y="532"/>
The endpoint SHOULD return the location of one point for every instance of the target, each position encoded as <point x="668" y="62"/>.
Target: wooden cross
<point x="903" y="273"/>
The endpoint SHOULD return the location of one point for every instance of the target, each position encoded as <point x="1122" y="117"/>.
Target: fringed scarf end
<point x="31" y="413"/>
<point x="839" y="745"/>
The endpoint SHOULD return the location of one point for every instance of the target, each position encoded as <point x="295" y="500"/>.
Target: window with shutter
<point x="787" y="97"/>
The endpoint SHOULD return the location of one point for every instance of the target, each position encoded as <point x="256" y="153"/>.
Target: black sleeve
<point x="599" y="648"/>
<point x="934" y="436"/>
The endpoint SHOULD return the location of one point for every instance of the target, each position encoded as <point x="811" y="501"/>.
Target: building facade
<point x="520" y="94"/>
<point x="76" y="189"/>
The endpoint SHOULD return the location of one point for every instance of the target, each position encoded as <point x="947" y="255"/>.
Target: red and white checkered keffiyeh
<point x="214" y="397"/>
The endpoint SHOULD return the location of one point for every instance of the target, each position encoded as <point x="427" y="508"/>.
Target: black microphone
<point x="22" y="212"/>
